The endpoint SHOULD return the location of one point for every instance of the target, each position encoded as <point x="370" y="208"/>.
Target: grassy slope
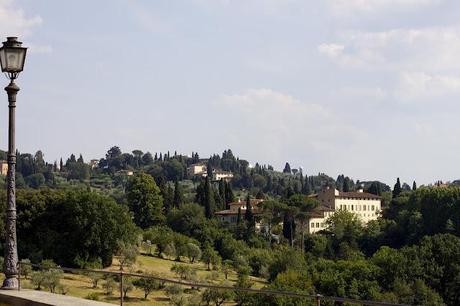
<point x="81" y="286"/>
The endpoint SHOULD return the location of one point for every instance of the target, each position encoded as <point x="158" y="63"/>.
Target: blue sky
<point x="368" y="88"/>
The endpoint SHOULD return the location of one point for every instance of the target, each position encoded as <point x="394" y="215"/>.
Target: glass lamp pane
<point x="22" y="58"/>
<point x="13" y="60"/>
<point x="2" y="59"/>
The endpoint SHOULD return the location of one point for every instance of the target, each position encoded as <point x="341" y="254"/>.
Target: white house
<point x="365" y="205"/>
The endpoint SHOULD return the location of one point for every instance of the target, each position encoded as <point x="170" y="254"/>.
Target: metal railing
<point x="314" y="297"/>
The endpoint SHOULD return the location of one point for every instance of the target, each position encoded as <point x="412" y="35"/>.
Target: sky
<point x="368" y="88"/>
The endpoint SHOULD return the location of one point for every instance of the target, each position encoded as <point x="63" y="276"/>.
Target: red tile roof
<point x="357" y="195"/>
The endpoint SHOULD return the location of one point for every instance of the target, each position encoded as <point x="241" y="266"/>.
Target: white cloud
<point x="331" y="50"/>
<point x="354" y="6"/>
<point x="276" y="121"/>
<point x="421" y="84"/>
<point x="430" y="49"/>
<point x="14" y="22"/>
<point x="268" y="7"/>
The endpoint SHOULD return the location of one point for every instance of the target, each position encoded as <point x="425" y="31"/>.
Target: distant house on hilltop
<point x="218" y="175"/>
<point x="365" y="205"/>
<point x="201" y="169"/>
<point x="94" y="163"/>
<point x="197" y="169"/>
<point x="231" y="215"/>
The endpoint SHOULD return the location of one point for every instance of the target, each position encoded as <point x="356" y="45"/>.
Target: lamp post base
<point x="10" y="284"/>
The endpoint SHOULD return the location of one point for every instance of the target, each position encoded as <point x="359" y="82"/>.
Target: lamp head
<point x="12" y="57"/>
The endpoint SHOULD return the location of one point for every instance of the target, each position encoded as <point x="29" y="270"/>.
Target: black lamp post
<point x="12" y="57"/>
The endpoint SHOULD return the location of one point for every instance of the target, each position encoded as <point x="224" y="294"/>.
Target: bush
<point x="94" y="296"/>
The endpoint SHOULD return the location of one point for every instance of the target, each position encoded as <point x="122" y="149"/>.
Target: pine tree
<point x="80" y="159"/>
<point x="178" y="195"/>
<point x="61" y="165"/>
<point x="414" y="186"/>
<point x="397" y="188"/>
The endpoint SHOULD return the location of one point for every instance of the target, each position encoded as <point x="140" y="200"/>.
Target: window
<point x="364" y="207"/>
<point x="312" y="225"/>
<point x="352" y="207"/>
<point x="373" y="207"/>
<point x="317" y="224"/>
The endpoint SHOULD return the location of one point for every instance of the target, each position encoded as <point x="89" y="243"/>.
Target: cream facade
<point x="222" y="175"/>
<point x="202" y="170"/>
<point x="3" y="167"/>
<point x="365" y="205"/>
<point x="197" y="169"/>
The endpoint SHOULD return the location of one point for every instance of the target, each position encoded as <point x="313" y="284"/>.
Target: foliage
<point x="109" y="285"/>
<point x="127" y="254"/>
<point x="26" y="268"/>
<point x="71" y="227"/>
<point x="147" y="285"/>
<point x="144" y="200"/>
<point x="193" y="252"/>
<point x="217" y="296"/>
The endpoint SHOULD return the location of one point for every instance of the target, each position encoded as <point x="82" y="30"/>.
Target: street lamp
<point x="12" y="57"/>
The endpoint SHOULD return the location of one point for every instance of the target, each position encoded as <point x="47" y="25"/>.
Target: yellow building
<point x="197" y="169"/>
<point x="3" y="167"/>
<point x="365" y="205"/>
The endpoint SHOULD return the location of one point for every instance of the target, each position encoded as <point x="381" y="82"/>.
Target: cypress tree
<point x="248" y="215"/>
<point x="178" y="195"/>
<point x="250" y="220"/>
<point x="209" y="199"/>
<point x="169" y="199"/>
<point x="340" y="182"/>
<point x="287" y="168"/>
<point x="373" y="188"/>
<point x="414" y="186"/>
<point x="61" y="165"/>
<point x="301" y="180"/>
<point x="229" y="196"/>
<point x="209" y="170"/>
<point x="397" y="188"/>
<point x="346" y="184"/>
<point x="222" y="194"/>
